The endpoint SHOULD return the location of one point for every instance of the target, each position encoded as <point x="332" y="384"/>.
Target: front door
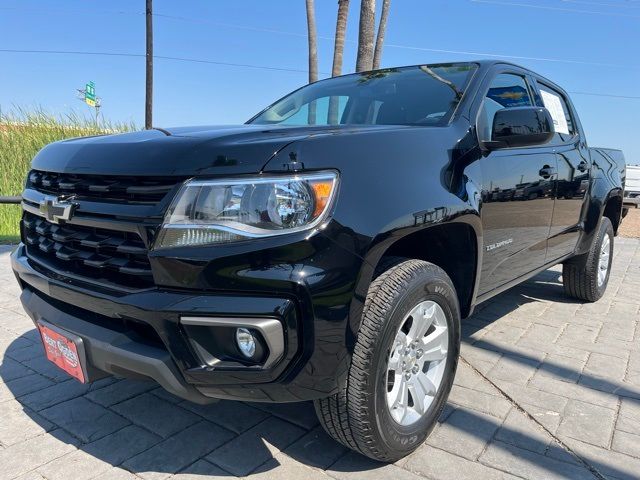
<point x="518" y="192"/>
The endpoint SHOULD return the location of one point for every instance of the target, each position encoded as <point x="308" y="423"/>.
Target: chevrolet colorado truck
<point x="326" y="250"/>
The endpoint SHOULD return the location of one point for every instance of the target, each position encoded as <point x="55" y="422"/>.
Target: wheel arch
<point x="613" y="209"/>
<point x="604" y="201"/>
<point x="454" y="246"/>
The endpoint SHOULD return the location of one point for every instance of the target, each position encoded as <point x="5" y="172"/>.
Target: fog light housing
<point x="225" y="341"/>
<point x="246" y="342"/>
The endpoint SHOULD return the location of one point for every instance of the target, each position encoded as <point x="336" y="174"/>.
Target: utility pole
<point x="148" y="112"/>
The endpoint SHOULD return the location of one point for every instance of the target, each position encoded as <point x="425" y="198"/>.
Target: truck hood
<point x="182" y="151"/>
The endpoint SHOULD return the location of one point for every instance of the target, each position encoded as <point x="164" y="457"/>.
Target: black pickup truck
<point x="326" y="250"/>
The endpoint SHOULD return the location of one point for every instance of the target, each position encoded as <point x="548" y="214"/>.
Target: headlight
<point x="208" y="212"/>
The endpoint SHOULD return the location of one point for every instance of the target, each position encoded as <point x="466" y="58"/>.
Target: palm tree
<point x="313" y="55"/>
<point x="382" y="27"/>
<point x="338" y="50"/>
<point x="341" y="30"/>
<point x="364" y="60"/>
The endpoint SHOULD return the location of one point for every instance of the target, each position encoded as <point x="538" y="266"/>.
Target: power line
<point x="560" y="9"/>
<point x="598" y="4"/>
<point x="387" y="44"/>
<point x="245" y="65"/>
<point x="508" y="57"/>
<point x="605" y="95"/>
<point x="392" y="45"/>
<point x="72" y="11"/>
<point x="203" y="21"/>
<point x="229" y="64"/>
<point x="162" y="57"/>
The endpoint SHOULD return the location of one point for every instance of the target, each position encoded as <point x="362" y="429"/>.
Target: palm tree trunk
<point x="364" y="61"/>
<point x="313" y="55"/>
<point x="382" y="28"/>
<point x="338" y="50"/>
<point x="341" y="30"/>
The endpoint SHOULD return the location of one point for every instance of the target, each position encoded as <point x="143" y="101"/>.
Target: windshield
<point x="420" y="95"/>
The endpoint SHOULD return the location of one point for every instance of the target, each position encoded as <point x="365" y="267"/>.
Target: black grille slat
<point x="46" y="245"/>
<point x="31" y="239"/>
<point x="66" y="235"/>
<point x="128" y="247"/>
<point x="119" y="257"/>
<point x="97" y="241"/>
<point x="29" y="222"/>
<point x="97" y="261"/>
<point x="147" y="190"/>
<point x="43" y="228"/>
<point x="67" y="253"/>
<point x="130" y="269"/>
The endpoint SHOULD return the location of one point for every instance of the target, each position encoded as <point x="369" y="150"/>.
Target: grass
<point x="22" y="134"/>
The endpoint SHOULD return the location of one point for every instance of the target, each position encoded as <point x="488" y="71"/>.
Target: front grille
<point x="108" y="256"/>
<point x="101" y="187"/>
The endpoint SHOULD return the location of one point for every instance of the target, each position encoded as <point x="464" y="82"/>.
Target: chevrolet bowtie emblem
<point x="55" y="209"/>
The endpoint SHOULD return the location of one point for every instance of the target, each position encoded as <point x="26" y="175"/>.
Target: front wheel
<point x="403" y="364"/>
<point x="586" y="277"/>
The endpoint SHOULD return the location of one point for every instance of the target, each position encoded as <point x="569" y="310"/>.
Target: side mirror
<point x="521" y="127"/>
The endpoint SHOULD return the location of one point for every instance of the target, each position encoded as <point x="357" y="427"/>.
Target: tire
<point x="580" y="275"/>
<point x="358" y="415"/>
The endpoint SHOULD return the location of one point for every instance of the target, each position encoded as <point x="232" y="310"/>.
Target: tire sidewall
<point x="398" y="439"/>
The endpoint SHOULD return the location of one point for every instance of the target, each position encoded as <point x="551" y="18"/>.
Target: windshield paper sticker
<point x="554" y="105"/>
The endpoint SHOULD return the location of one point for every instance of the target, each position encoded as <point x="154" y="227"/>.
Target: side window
<point x="506" y="90"/>
<point x="559" y="110"/>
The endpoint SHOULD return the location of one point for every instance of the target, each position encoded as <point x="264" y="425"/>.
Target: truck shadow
<point x="140" y="428"/>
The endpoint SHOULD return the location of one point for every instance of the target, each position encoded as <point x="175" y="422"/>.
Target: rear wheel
<point x="586" y="277"/>
<point x="403" y="364"/>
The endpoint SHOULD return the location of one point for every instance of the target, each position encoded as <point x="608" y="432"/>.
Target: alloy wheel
<point x="416" y="362"/>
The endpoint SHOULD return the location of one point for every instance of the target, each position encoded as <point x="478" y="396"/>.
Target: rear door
<point x="572" y="179"/>
<point x="517" y="189"/>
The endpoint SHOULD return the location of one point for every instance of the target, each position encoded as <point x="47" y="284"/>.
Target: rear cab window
<point x="555" y="102"/>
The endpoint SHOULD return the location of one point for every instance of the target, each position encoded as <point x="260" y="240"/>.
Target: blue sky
<point x="590" y="46"/>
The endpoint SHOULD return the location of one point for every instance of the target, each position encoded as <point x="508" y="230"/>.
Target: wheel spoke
<point x="422" y="320"/>
<point x="394" y="361"/>
<point x="401" y="338"/>
<point x="434" y="345"/>
<point x="398" y="398"/>
<point x="393" y="364"/>
<point x="421" y="388"/>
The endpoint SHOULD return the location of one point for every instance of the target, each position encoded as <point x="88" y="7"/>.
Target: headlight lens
<point x="215" y="211"/>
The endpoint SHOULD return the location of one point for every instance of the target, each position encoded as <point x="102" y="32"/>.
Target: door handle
<point x="582" y="166"/>
<point x="546" y="171"/>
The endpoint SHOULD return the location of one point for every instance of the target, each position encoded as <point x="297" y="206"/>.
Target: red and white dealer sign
<point x="62" y="351"/>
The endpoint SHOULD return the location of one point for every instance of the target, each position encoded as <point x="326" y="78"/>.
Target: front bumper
<point x="144" y="334"/>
